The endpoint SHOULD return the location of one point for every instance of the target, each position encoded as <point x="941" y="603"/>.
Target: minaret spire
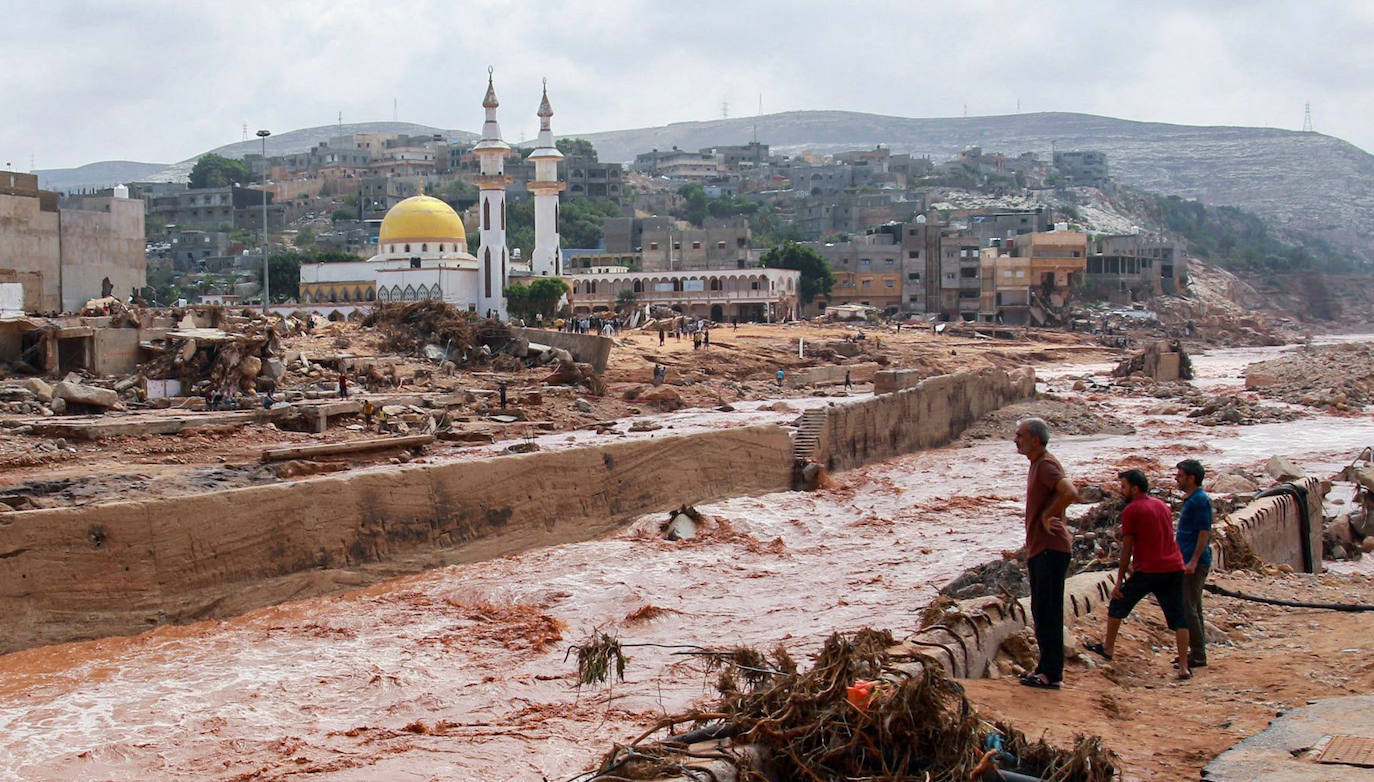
<point x="493" y="258"/>
<point x="547" y="258"/>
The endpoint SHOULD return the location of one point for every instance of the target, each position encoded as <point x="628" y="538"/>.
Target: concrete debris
<point x="1162" y="361"/>
<point x="1337" y="377"/>
<point x="1281" y="470"/>
<point x="92" y="396"/>
<point x="41" y="390"/>
<point x="1229" y="483"/>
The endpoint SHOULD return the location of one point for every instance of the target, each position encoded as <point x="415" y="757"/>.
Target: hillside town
<point x="390" y="456"/>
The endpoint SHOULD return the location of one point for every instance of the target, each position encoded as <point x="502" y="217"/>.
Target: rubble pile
<point x="1164" y="361"/>
<point x="1350" y="535"/>
<point x="1065" y="417"/>
<point x="412" y="328"/>
<point x="1335" y="377"/>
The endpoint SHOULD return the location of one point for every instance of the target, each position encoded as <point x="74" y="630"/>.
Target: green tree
<point x="305" y="238"/>
<point x="343" y="214"/>
<point x="695" y="204"/>
<point x="580" y="221"/>
<point x="285" y="270"/>
<point x="576" y="147"/>
<point x="213" y="170"/>
<point x="540" y="296"/>
<point x="817" y="278"/>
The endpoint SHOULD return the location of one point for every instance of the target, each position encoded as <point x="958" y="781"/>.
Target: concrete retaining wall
<point x="586" y="348"/>
<point x="118" y="568"/>
<point x="1271" y="526"/>
<point x="830" y="374"/>
<point x="928" y="415"/>
<point x="889" y="380"/>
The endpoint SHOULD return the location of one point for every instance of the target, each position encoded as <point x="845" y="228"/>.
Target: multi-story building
<point x="737" y="156"/>
<point x="1082" y="167"/>
<point x="960" y="275"/>
<point x="1135" y="267"/>
<point x="63" y="257"/>
<point x="590" y="178"/>
<point x="868" y="271"/>
<point x="670" y="245"/>
<point x="211" y="208"/>
<point x="1028" y="278"/>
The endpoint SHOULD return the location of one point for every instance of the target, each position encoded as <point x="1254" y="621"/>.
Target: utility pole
<point x="266" y="272"/>
<point x="1307" y="118"/>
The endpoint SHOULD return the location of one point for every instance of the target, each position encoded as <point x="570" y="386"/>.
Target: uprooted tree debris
<point x="860" y="712"/>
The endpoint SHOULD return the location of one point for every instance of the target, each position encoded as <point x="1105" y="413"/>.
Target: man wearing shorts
<point x="1149" y="549"/>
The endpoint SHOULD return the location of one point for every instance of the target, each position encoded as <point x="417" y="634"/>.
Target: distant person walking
<point x="705" y="338"/>
<point x="779" y="378"/>
<point x="1048" y="545"/>
<point x="848" y="383"/>
<point x="1148" y="548"/>
<point x="1194" y="534"/>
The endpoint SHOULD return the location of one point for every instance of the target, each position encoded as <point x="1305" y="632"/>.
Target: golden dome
<point x="422" y="218"/>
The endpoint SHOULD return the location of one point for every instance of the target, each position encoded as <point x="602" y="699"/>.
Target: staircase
<point x="809" y="431"/>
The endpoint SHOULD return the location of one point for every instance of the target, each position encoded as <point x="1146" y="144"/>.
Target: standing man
<point x="1194" y="534"/>
<point x="848" y="382"/>
<point x="343" y="386"/>
<point x="1048" y="545"/>
<point x="1148" y="548"/>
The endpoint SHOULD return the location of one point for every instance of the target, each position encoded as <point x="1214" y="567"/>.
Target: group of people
<point x="1171" y="564"/>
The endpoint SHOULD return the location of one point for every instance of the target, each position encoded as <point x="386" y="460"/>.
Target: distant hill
<point x="294" y="141"/>
<point x="1297" y="181"/>
<point x="94" y="176"/>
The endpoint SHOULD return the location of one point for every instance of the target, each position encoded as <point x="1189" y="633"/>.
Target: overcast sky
<point x="162" y="81"/>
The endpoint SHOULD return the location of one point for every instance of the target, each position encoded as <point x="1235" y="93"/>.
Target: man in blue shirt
<point x="1194" y="534"/>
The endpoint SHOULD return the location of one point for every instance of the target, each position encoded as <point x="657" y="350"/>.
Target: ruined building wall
<point x="102" y="239"/>
<point x="117" y="568"/>
<point x="587" y="348"/>
<point x="29" y="251"/>
<point x="927" y="415"/>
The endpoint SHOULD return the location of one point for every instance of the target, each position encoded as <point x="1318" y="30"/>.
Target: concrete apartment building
<point x="1136" y="267"/>
<point x="63" y="257"/>
<point x="210" y="208"/>
<point x="1082" y="167"/>
<point x="670" y="245"/>
<point x="764" y="295"/>
<point x="868" y="271"/>
<point x="1023" y="280"/>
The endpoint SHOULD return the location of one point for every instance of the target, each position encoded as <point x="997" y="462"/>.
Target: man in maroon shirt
<point x="1048" y="545"/>
<point x="1149" y="548"/>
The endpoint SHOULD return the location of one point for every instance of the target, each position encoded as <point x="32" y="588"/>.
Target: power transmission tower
<point x="725" y="109"/>
<point x="1307" y="118"/>
<point x="245" y="131"/>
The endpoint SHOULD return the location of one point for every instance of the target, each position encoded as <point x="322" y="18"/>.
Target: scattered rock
<point x="85" y="395"/>
<point x="40" y="388"/>
<point x="582" y="406"/>
<point x="1281" y="470"/>
<point x="1229" y="483"/>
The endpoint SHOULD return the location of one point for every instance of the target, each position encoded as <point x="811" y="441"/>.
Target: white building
<point x="719" y="295"/>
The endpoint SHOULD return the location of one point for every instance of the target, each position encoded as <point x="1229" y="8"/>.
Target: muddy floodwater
<point x="459" y="673"/>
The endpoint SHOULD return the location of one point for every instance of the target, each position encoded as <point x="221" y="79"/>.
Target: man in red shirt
<point x="1149" y="548"/>
<point x="1048" y="546"/>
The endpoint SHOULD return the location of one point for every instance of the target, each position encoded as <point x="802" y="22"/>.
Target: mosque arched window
<point x="383" y="294"/>
<point x="407" y="248"/>
<point x="396" y="293"/>
<point x="409" y="294"/>
<point x="638" y="287"/>
<point x="345" y="294"/>
<point x="371" y="295"/>
<point x="486" y="215"/>
<point x="486" y="272"/>
<point x="715" y="284"/>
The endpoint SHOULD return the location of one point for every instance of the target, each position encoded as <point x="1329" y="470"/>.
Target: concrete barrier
<point x="830" y="374"/>
<point x="1271" y="527"/>
<point x="888" y="380"/>
<point x="117" y="568"/>
<point x="586" y="348"/>
<point x="928" y="415"/>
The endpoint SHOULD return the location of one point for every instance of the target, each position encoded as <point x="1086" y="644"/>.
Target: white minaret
<point x="547" y="260"/>
<point x="493" y="261"/>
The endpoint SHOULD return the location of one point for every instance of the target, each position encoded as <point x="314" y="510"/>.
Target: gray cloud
<point x="161" y="81"/>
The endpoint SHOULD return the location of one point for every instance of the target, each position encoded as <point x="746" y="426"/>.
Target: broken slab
<point x="335" y="449"/>
<point x="85" y="395"/>
<point x="1289" y="749"/>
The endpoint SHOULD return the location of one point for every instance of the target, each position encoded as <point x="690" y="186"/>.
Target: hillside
<point x="96" y="175"/>
<point x="1300" y="182"/>
<point x="295" y="141"/>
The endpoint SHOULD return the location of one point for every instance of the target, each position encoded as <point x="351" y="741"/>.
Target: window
<point x="914" y="276"/>
<point x="889" y="261"/>
<point x="696" y="245"/>
<point x="913" y="254"/>
<point x="424" y="248"/>
<point x="677" y="245"/>
<point x="720" y="245"/>
<point x="949" y="275"/>
<point x="407" y="248"/>
<point x="653" y="245"/>
<point x="865" y="261"/>
<point x="889" y="284"/>
<point x="864" y="284"/>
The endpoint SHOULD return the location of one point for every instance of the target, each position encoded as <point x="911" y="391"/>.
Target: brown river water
<point x="459" y="673"/>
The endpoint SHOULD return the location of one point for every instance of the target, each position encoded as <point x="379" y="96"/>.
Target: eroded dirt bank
<point x="460" y="670"/>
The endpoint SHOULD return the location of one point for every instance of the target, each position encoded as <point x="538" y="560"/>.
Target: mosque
<point x="422" y="245"/>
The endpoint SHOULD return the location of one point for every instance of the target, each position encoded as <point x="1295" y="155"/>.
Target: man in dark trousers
<point x="343" y="386"/>
<point x="1149" y="549"/>
<point x="1048" y="545"/>
<point x="1194" y="534"/>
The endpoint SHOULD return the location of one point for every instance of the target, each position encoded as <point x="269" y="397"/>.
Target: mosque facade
<point x="423" y="246"/>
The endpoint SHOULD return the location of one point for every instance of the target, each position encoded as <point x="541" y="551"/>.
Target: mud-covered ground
<point x="459" y="670"/>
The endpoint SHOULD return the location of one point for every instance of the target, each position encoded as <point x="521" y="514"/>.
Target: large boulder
<point x="273" y="369"/>
<point x="663" y="397"/>
<point x="1229" y="483"/>
<point x="78" y="393"/>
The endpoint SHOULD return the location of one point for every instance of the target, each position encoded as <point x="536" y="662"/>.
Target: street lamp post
<point x="266" y="272"/>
